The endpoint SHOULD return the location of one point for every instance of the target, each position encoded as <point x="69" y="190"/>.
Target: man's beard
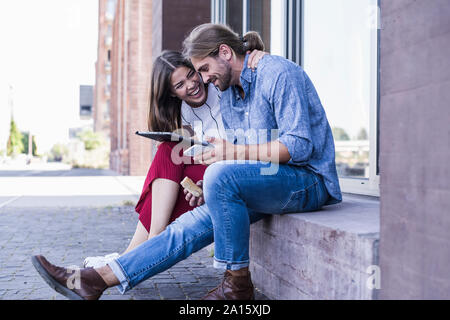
<point x="225" y="78"/>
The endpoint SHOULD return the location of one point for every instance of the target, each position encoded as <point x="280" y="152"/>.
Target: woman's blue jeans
<point x="236" y="195"/>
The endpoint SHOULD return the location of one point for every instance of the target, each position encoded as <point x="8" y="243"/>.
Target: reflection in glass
<point x="338" y="56"/>
<point x="234" y="15"/>
<point x="259" y="19"/>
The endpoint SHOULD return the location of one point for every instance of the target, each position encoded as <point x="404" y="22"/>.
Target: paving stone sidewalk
<point x="66" y="235"/>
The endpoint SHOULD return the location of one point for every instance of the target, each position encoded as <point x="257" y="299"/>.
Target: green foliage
<point x="25" y="137"/>
<point x="362" y="134"/>
<point x="15" y="144"/>
<point x="128" y="203"/>
<point x="339" y="134"/>
<point x="58" y="152"/>
<point x="88" y="150"/>
<point x="91" y="139"/>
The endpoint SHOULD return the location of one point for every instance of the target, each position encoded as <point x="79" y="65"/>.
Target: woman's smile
<point x="188" y="86"/>
<point x="195" y="92"/>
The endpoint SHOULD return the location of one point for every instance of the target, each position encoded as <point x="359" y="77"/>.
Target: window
<point x="340" y="54"/>
<point x="106" y="111"/>
<point x="234" y="15"/>
<point x="244" y="15"/>
<point x="258" y="19"/>
<point x="293" y="17"/>
<point x="85" y="110"/>
<point x="336" y="42"/>
<point x="110" y="10"/>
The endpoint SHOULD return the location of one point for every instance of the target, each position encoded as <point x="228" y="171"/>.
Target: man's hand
<point x="223" y="150"/>
<point x="192" y="199"/>
<point x="254" y="58"/>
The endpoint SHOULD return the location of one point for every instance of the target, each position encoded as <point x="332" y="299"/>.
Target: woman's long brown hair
<point x="164" y="108"/>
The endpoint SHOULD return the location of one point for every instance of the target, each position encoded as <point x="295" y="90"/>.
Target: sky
<point x="339" y="55"/>
<point x="48" y="49"/>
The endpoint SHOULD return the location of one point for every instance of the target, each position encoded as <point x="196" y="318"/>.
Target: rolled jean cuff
<point x="230" y="265"/>
<point x="120" y="274"/>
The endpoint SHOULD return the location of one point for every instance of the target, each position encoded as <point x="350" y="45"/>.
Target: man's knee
<point x="217" y="176"/>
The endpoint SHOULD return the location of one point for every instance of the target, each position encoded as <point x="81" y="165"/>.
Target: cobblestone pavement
<point x="66" y="235"/>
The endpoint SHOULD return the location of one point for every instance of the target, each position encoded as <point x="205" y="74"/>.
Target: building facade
<point x="140" y="30"/>
<point x="381" y="70"/>
<point x="415" y="148"/>
<point x="102" y="90"/>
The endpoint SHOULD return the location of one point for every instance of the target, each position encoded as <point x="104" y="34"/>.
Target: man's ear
<point x="225" y="52"/>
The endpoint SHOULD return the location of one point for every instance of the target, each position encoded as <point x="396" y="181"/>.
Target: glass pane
<point x="338" y="53"/>
<point x="278" y="28"/>
<point x="259" y="19"/>
<point x="234" y="15"/>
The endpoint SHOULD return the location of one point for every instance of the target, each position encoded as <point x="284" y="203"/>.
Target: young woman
<point x="178" y="99"/>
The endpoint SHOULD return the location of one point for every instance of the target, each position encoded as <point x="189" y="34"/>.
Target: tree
<point x="91" y="140"/>
<point x="58" y="152"/>
<point x="362" y="134"/>
<point x="25" y="137"/>
<point x="340" y="134"/>
<point x="15" y="144"/>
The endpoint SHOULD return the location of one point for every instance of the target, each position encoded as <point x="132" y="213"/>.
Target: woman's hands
<point x="254" y="58"/>
<point x="192" y="199"/>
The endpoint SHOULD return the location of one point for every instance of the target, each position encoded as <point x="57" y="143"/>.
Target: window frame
<point x="364" y="186"/>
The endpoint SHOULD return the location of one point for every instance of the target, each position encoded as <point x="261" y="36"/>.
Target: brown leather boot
<point x="81" y="284"/>
<point x="232" y="288"/>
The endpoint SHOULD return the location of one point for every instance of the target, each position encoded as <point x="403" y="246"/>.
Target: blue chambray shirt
<point x="280" y="95"/>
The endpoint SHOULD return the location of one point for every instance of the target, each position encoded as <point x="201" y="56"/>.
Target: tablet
<point x="169" y="136"/>
<point x="197" y="149"/>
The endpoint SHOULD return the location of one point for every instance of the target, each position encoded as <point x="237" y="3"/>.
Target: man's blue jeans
<point x="236" y="195"/>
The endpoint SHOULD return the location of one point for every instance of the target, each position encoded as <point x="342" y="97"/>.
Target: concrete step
<point x="328" y="254"/>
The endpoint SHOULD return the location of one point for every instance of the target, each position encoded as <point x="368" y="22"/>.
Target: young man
<point x="240" y="186"/>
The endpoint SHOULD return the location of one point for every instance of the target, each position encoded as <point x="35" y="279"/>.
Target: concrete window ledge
<point x="318" y="255"/>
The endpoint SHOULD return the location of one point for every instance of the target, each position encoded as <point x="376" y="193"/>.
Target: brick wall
<point x="142" y="28"/>
<point x="131" y="65"/>
<point x="101" y="96"/>
<point x="415" y="149"/>
<point x="140" y="56"/>
<point x="117" y="155"/>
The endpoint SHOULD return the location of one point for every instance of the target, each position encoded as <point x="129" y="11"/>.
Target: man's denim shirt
<point x="280" y="95"/>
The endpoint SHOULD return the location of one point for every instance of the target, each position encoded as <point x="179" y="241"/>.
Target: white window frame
<point x="369" y="186"/>
<point x="218" y="11"/>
